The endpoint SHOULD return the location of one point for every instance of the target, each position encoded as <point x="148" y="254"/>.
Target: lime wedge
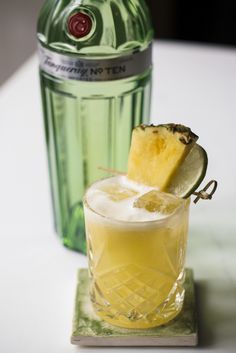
<point x="190" y="174"/>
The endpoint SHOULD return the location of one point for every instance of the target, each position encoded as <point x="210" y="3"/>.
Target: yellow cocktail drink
<point x="136" y="256"/>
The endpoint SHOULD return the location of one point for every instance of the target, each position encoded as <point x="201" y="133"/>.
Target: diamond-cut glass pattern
<point x="136" y="295"/>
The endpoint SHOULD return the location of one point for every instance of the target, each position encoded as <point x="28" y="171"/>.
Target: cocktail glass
<point x="137" y="268"/>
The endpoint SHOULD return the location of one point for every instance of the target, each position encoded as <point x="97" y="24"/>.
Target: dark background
<point x="207" y="21"/>
<point x="204" y="21"/>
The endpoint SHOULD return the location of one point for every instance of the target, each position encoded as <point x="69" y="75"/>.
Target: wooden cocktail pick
<point x="203" y="194"/>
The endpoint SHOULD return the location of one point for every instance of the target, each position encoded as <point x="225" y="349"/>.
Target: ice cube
<point x="118" y="192"/>
<point x="158" y="201"/>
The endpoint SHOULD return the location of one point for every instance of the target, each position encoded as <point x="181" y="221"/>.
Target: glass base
<point x="145" y="300"/>
<point x="90" y="330"/>
<point x="141" y="323"/>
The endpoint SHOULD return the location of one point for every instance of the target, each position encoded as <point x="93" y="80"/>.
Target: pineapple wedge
<point x="156" y="153"/>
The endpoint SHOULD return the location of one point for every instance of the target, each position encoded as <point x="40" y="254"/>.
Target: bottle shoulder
<point x="118" y="26"/>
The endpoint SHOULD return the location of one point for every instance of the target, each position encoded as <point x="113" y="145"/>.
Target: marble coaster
<point x="90" y="330"/>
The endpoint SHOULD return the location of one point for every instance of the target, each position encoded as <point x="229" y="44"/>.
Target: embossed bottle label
<point x="82" y="69"/>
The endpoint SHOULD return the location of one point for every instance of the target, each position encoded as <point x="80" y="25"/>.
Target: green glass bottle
<point x="95" y="72"/>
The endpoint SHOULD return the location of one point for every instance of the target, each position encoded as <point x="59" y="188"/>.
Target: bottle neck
<point x="117" y="27"/>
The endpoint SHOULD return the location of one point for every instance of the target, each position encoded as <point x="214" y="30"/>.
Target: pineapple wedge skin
<point x="156" y="152"/>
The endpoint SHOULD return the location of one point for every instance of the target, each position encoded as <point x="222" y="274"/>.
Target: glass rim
<point x="120" y="221"/>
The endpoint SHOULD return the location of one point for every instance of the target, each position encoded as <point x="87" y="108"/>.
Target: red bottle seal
<point x="79" y="25"/>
